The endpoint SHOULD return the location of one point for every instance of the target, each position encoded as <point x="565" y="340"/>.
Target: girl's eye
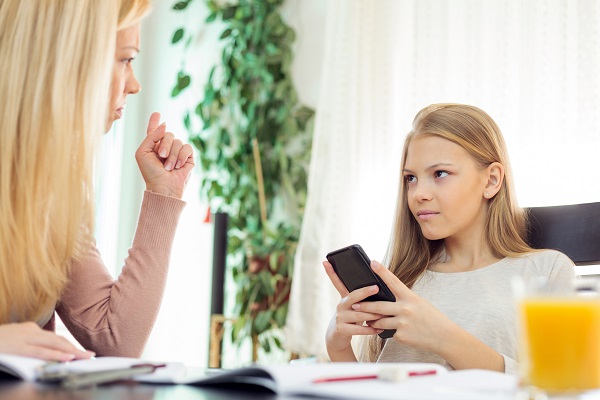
<point x="441" y="174"/>
<point x="127" y="60"/>
<point x="410" y="178"/>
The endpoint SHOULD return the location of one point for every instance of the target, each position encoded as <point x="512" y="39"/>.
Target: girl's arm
<point x="464" y="351"/>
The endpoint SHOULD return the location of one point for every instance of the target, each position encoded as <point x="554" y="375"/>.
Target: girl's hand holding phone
<point x="417" y="322"/>
<point x="347" y="321"/>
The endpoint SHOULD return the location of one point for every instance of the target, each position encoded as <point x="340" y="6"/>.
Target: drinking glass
<point x="559" y="328"/>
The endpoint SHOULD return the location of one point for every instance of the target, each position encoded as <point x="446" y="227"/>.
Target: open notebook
<point x="290" y="379"/>
<point x="75" y="373"/>
<point x="299" y="379"/>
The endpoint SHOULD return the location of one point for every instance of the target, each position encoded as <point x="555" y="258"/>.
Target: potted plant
<point x="254" y="146"/>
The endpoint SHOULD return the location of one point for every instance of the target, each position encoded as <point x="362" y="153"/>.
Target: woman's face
<point x="445" y="188"/>
<point x="123" y="78"/>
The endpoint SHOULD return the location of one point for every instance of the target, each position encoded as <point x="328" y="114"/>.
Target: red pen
<point x="391" y="375"/>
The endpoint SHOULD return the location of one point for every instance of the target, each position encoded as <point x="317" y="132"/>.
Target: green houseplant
<point x="254" y="141"/>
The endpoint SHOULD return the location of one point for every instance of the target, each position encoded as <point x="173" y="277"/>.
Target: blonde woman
<point x="458" y="240"/>
<point x="65" y="74"/>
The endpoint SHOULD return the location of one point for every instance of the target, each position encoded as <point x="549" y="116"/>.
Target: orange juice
<point x="561" y="342"/>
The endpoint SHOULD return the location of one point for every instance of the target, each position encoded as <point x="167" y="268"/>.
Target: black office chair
<point x="572" y="229"/>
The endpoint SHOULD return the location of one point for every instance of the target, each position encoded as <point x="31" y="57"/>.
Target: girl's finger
<point x="360" y="294"/>
<point x="339" y="285"/>
<point x="353" y="316"/>
<point x="399" y="289"/>
<point x="385" y="323"/>
<point x="352" y="330"/>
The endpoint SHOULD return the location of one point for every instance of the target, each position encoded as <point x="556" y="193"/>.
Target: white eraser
<point x="393" y="374"/>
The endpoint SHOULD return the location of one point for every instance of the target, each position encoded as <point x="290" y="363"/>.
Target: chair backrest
<point x="572" y="229"/>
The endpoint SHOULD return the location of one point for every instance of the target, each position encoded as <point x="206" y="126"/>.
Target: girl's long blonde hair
<point x="56" y="60"/>
<point x="409" y="252"/>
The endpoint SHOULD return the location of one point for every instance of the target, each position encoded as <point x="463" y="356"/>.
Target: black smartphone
<point x="353" y="267"/>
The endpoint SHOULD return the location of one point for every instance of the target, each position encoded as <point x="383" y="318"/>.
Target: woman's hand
<point x="28" y="339"/>
<point x="346" y="321"/>
<point x="165" y="162"/>
<point x="417" y="322"/>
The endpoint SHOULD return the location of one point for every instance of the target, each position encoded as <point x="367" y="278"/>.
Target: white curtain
<point x="534" y="66"/>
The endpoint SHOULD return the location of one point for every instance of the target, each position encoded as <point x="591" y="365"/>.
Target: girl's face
<point x="123" y="78"/>
<point x="445" y="188"/>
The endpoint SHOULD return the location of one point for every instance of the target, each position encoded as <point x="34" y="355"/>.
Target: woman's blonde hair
<point x="132" y="11"/>
<point x="409" y="252"/>
<point x="56" y="60"/>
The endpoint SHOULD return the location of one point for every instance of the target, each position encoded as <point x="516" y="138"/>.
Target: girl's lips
<point x="426" y="215"/>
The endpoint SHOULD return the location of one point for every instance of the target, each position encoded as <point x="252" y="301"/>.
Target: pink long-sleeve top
<point x="115" y="318"/>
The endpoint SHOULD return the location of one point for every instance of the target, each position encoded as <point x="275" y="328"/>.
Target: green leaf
<point x="225" y="33"/>
<point x="238" y="328"/>
<point x="181" y="5"/>
<point x="281" y="315"/>
<point x="198" y="111"/>
<point x="266" y="346"/>
<point x="262" y="321"/>
<point x="186" y="120"/>
<point x="212" y="17"/>
<point x="177" y="35"/>
<point x="274" y="260"/>
<point x="183" y="81"/>
<point x="267" y="285"/>
<point x="211" y="74"/>
<point x="229" y="13"/>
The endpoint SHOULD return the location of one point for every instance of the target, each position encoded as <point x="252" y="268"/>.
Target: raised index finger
<point x="153" y="122"/>
<point x="398" y="288"/>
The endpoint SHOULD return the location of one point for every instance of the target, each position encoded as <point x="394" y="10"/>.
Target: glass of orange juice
<point x="560" y="335"/>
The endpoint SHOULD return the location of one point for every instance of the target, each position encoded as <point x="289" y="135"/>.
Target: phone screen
<point x="353" y="267"/>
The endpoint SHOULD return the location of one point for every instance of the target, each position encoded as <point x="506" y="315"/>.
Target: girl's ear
<point x="495" y="175"/>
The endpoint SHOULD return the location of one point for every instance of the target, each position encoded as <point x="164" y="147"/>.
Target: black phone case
<point x="353" y="267"/>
